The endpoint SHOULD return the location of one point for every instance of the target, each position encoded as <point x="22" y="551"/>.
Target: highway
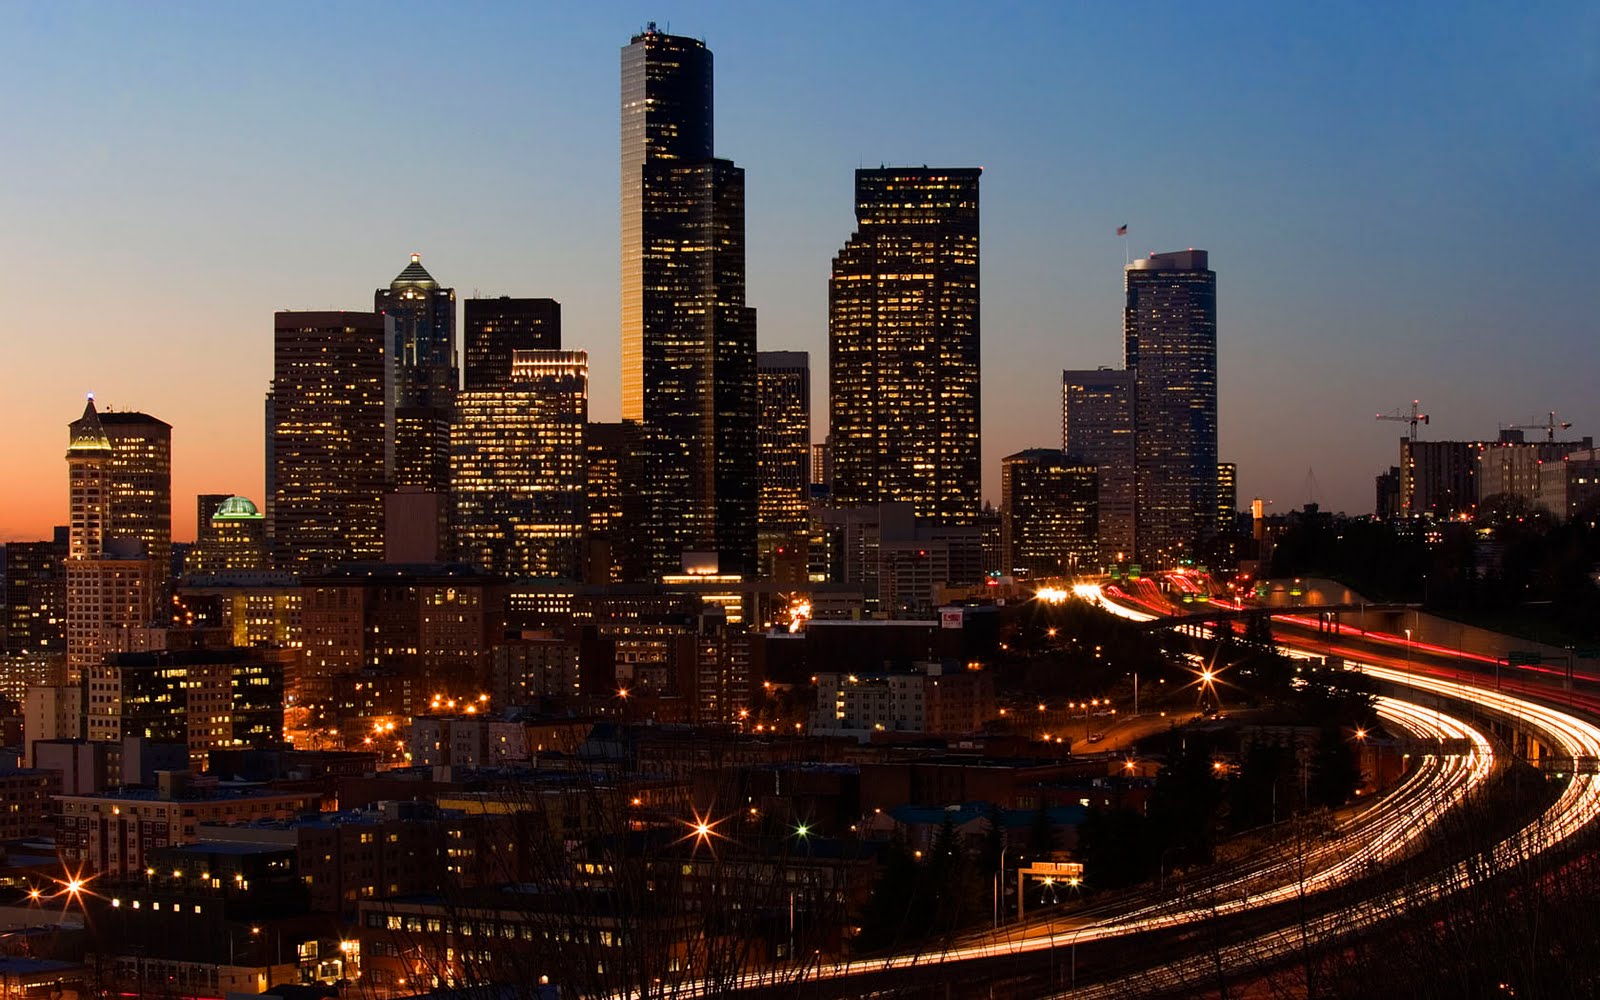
<point x="1577" y="806"/>
<point x="1381" y="831"/>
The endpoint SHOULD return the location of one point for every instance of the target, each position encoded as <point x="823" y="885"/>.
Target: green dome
<point x="236" y="509"/>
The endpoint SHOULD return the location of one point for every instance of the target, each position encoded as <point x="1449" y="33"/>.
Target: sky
<point x="1400" y="201"/>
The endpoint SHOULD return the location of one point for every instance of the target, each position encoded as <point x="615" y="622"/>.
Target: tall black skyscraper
<point x="1170" y="337"/>
<point x="688" y="339"/>
<point x="497" y="327"/>
<point x="424" y="352"/>
<point x="903" y="345"/>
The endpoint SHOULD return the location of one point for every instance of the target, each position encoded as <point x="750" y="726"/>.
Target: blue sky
<point x="1398" y="199"/>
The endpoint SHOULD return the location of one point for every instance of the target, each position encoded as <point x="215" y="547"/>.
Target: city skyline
<point x="1400" y="240"/>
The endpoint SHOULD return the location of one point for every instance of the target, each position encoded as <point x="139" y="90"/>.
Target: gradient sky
<point x="1401" y="200"/>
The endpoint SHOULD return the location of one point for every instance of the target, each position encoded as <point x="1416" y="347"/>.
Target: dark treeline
<point x="1514" y="566"/>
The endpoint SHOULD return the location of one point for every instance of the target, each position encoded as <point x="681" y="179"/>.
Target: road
<point x="1379" y="832"/>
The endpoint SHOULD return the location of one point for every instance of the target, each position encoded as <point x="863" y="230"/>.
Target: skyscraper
<point x="1097" y="427"/>
<point x="496" y="327"/>
<point x="332" y="441"/>
<point x="1170" y="337"/>
<point x="423" y="346"/>
<point x="517" y="468"/>
<point x="903" y="345"/>
<point x="140" y="481"/>
<point x="783" y="433"/>
<point x="688" y="339"/>
<point x="112" y="583"/>
<point x="614" y="469"/>
<point x="1227" y="495"/>
<point x="1048" y="507"/>
<point x="36" y="596"/>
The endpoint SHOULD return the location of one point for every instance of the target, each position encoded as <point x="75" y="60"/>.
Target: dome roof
<point x="236" y="508"/>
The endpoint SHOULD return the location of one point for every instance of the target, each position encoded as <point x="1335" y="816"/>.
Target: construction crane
<point x="1415" y="416"/>
<point x="1549" y="427"/>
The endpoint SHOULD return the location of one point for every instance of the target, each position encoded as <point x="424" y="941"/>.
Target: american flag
<point x="1122" y="230"/>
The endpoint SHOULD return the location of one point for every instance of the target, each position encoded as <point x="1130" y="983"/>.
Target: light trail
<point x="1576" y="807"/>
<point x="1379" y="832"/>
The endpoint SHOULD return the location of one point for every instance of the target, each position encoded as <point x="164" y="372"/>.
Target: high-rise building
<point x="36" y="596"/>
<point x="1048" y="513"/>
<point x="614" y="470"/>
<point x="1170" y="346"/>
<point x="112" y="583"/>
<point x="496" y="327"/>
<point x="688" y="339"/>
<point x="517" y="468"/>
<point x="903" y="345"/>
<point x="783" y="382"/>
<point x="140" y="481"/>
<point x="332" y="437"/>
<point x="423" y="347"/>
<point x="1227" y="495"/>
<point x="1097" y="427"/>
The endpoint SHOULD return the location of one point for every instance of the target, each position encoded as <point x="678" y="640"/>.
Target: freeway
<point x="1569" y="737"/>
<point x="1379" y="832"/>
<point x="1382" y="831"/>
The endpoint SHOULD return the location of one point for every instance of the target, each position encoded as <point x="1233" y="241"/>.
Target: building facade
<point x="112" y="583"/>
<point x="1048" y="514"/>
<point x="903" y="337"/>
<point x="688" y="339"/>
<point x="783" y="380"/>
<point x="1097" y="427"/>
<point x="139" y="480"/>
<point x="497" y="327"/>
<point x="331" y="437"/>
<point x="422" y="345"/>
<point x="517" y="468"/>
<point x="1170" y="346"/>
<point x="231" y="536"/>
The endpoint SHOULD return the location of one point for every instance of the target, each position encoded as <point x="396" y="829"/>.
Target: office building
<point x="331" y="436"/>
<point x="1048" y="514"/>
<point x="423" y="346"/>
<point x="1097" y="427"/>
<point x="688" y="339"/>
<point x="903" y="345"/>
<point x="614" y="472"/>
<point x="517" y="468"/>
<point x="112" y="583"/>
<point x="206" y="699"/>
<point x="1570" y="488"/>
<point x="1170" y="346"/>
<point x="139" y="480"/>
<point x="498" y="326"/>
<point x="429" y="627"/>
<point x="36" y="596"/>
<point x="1512" y="466"/>
<point x="783" y="388"/>
<point x="1227" y="495"/>
<point x="232" y="536"/>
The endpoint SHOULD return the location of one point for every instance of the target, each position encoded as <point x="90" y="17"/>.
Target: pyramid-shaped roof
<point x="414" y="274"/>
<point x="85" y="433"/>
